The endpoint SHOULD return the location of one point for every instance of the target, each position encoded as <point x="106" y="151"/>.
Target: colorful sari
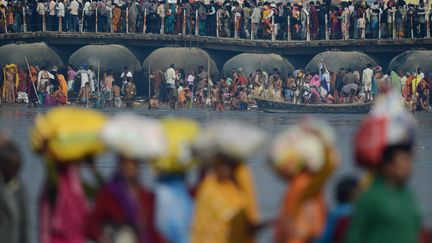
<point x="225" y="210"/>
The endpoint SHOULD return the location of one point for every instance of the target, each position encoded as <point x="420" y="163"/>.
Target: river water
<point x="16" y="121"/>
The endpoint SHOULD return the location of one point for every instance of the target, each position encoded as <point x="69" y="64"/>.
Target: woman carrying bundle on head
<point x="305" y="156"/>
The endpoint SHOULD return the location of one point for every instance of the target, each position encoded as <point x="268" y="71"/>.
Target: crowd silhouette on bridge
<point x="250" y="19"/>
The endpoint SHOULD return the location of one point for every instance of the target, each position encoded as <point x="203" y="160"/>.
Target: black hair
<point x="345" y="188"/>
<point x="390" y="151"/>
<point x="9" y="155"/>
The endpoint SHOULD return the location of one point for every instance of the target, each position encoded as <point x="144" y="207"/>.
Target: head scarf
<point x="388" y="124"/>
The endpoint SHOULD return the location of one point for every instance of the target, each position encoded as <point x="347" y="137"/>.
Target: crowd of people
<point x="236" y="89"/>
<point x="221" y="204"/>
<point x="53" y="86"/>
<point x="312" y="20"/>
<point x="197" y="89"/>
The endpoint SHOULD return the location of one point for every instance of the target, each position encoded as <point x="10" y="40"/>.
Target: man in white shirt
<point x="367" y="81"/>
<point x="92" y="77"/>
<point x="43" y="77"/>
<point x="171" y="77"/>
<point x="52" y="16"/>
<point x="74" y="19"/>
<point x="61" y="14"/>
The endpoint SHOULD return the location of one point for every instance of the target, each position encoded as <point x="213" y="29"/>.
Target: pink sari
<point x="63" y="221"/>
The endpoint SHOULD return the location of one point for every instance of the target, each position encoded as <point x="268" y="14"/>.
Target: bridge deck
<point x="283" y="47"/>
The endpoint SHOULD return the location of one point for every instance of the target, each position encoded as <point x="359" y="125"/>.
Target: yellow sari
<point x="5" y="69"/>
<point x="224" y="210"/>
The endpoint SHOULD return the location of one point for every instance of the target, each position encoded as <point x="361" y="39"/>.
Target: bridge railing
<point x="117" y="21"/>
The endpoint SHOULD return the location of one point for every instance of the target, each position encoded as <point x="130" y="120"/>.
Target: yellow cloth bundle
<point x="180" y="135"/>
<point x="68" y="134"/>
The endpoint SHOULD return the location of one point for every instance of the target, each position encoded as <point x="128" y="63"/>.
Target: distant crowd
<point x="315" y="20"/>
<point x="195" y="88"/>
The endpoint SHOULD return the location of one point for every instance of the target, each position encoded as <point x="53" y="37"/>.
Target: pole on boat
<point x="208" y="75"/>
<point x="31" y="77"/>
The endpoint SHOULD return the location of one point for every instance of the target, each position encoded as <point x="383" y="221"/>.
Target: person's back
<point x="385" y="214"/>
<point x="349" y="78"/>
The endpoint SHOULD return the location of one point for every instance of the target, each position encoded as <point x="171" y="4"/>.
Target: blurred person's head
<point x="10" y="159"/>
<point x="129" y="169"/>
<point x="396" y="164"/>
<point x="347" y="189"/>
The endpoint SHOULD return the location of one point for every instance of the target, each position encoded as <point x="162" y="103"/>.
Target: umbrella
<point x="36" y="53"/>
<point x="114" y="57"/>
<point x="68" y="134"/>
<point x="186" y="58"/>
<point x="135" y="137"/>
<point x="408" y="61"/>
<point x="250" y="62"/>
<point x="233" y="139"/>
<point x="334" y="60"/>
<point x="180" y="134"/>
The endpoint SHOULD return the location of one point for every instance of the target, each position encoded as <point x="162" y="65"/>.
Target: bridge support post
<point x="196" y="23"/>
<point x="252" y="36"/>
<point x="4" y="20"/>
<point x="43" y="23"/>
<point x="394" y="25"/>
<point x="96" y="20"/>
<point x="379" y="26"/>
<point x="235" y="27"/>
<point x="127" y="20"/>
<point x="112" y="25"/>
<point x="24" y="20"/>
<point x="82" y="22"/>
<point x="327" y="37"/>
<point x="412" y="27"/>
<point x="145" y="21"/>
<point x="427" y="26"/>
<point x="184" y="22"/>
<point x="162" y="29"/>
<point x="289" y="28"/>
<point x="217" y="24"/>
<point x="60" y="29"/>
<point x="273" y="30"/>
<point x="307" y="28"/>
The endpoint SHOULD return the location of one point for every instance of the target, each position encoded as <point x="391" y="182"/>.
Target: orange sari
<point x="300" y="221"/>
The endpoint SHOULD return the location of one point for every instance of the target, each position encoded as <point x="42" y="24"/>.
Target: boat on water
<point x="274" y="106"/>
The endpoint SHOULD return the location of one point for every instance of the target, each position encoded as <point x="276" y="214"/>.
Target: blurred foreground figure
<point x="387" y="211"/>
<point x="64" y="145"/>
<point x="305" y="156"/>
<point x="174" y="204"/>
<point x="226" y="207"/>
<point x="13" y="213"/>
<point x="337" y="220"/>
<point x="124" y="209"/>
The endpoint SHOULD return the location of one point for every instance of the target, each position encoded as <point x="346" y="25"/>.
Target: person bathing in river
<point x="153" y="103"/>
<point x="85" y="95"/>
<point x="116" y="93"/>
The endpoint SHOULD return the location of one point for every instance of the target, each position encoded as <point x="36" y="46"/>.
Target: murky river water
<point x="16" y="120"/>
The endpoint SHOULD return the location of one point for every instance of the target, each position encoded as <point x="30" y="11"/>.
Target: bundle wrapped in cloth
<point x="135" y="137"/>
<point x="68" y="134"/>
<point x="180" y="135"/>
<point x="231" y="138"/>
<point x="308" y="146"/>
<point x="388" y="124"/>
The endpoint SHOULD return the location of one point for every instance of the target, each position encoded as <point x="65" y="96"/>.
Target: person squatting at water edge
<point x="221" y="205"/>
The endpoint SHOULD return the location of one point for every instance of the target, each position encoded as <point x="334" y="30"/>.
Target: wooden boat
<point x="274" y="106"/>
